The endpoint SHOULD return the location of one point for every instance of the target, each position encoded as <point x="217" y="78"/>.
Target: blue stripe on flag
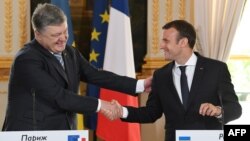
<point x="121" y="7"/>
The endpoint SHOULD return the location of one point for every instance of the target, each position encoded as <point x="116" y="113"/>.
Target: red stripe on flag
<point x="117" y="130"/>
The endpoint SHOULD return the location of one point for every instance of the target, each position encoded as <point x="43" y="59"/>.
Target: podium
<point x="199" y="135"/>
<point x="59" y="135"/>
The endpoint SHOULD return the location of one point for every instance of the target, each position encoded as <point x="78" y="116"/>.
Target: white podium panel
<point x="199" y="135"/>
<point x="60" y="135"/>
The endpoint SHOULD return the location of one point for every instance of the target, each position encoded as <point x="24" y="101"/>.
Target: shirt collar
<point x="55" y="53"/>
<point x="191" y="61"/>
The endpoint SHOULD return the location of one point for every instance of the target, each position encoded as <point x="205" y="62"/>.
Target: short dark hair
<point x="185" y="29"/>
<point x="47" y="14"/>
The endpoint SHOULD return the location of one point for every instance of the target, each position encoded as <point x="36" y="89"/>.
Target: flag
<point x="118" y="59"/>
<point x="98" y="42"/>
<point x="64" y="5"/>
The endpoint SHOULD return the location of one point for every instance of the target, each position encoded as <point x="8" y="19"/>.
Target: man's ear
<point x="184" y="42"/>
<point x="37" y="35"/>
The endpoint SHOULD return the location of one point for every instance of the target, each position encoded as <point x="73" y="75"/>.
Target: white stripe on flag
<point x="119" y="51"/>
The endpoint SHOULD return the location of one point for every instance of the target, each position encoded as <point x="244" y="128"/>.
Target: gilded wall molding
<point x="169" y="10"/>
<point x="4" y="74"/>
<point x="182" y="9"/>
<point x="8" y="8"/>
<point x="3" y="92"/>
<point x="23" y="36"/>
<point x="155" y="26"/>
<point x="5" y="63"/>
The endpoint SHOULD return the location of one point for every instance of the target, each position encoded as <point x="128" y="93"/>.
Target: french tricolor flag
<point x="119" y="59"/>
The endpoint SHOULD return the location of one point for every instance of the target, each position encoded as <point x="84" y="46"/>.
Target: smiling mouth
<point x="61" y="44"/>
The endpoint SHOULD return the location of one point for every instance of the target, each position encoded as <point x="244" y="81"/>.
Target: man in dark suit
<point x="210" y="99"/>
<point x="43" y="88"/>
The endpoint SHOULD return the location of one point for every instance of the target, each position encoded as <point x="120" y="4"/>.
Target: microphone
<point x="222" y="110"/>
<point x="33" y="92"/>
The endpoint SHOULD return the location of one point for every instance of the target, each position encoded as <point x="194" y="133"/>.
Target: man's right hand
<point x="112" y="110"/>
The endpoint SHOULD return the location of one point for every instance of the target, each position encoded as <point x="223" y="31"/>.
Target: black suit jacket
<point x="43" y="96"/>
<point x="211" y="83"/>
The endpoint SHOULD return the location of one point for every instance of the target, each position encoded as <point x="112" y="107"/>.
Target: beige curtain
<point x="216" y="22"/>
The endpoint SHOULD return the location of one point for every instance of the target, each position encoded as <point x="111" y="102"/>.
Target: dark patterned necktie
<point x="184" y="86"/>
<point x="59" y="58"/>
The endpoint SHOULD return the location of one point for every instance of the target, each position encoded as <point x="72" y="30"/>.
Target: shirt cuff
<point x="125" y="112"/>
<point x="140" y="86"/>
<point x="219" y="116"/>
<point x="99" y="105"/>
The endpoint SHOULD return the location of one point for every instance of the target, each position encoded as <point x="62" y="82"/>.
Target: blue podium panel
<point x="62" y="135"/>
<point x="199" y="135"/>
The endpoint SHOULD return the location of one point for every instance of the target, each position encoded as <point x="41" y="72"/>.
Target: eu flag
<point x="64" y="5"/>
<point x="98" y="43"/>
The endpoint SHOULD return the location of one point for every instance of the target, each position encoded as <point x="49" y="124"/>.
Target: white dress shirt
<point x="190" y="68"/>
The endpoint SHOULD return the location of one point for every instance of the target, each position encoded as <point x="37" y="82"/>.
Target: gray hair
<point x="46" y="15"/>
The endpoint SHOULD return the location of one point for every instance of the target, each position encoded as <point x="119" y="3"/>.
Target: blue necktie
<point x="59" y="58"/>
<point x="184" y="86"/>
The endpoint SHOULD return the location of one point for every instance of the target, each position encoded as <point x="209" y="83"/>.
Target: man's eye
<point x="165" y="41"/>
<point x="55" y="35"/>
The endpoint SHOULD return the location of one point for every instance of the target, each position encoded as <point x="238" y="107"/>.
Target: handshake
<point x="111" y="110"/>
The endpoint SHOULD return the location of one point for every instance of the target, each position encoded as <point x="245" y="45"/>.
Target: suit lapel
<point x="60" y="69"/>
<point x="171" y="86"/>
<point x="197" y="79"/>
<point x="51" y="59"/>
<point x="68" y="66"/>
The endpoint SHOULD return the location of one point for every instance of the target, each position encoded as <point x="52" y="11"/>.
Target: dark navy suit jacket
<point x="211" y="83"/>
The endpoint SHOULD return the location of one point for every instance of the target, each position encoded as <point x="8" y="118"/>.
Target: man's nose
<point x="63" y="37"/>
